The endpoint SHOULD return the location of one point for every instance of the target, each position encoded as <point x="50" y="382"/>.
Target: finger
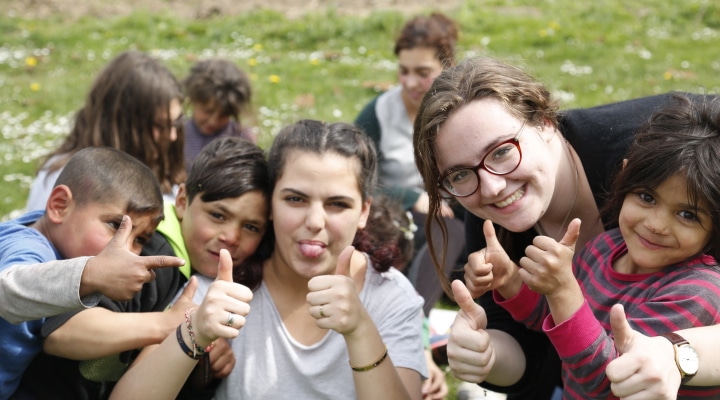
<point x="152" y="262"/>
<point x="490" y="237"/>
<point x="123" y="233"/>
<point x="225" y="267"/>
<point x="188" y="292"/>
<point x="571" y="236"/>
<point x="622" y="332"/>
<point x="343" y="262"/>
<point x="471" y="309"/>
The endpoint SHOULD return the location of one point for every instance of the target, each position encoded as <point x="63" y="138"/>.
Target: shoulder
<point x="390" y="284"/>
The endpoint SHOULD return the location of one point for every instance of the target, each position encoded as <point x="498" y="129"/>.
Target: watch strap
<point x="677" y="341"/>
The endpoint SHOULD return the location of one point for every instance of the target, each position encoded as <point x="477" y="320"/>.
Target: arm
<point x="160" y="374"/>
<point x="346" y="315"/>
<point x="110" y="329"/>
<point x="25" y="297"/>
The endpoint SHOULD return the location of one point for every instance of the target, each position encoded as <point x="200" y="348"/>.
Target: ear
<point x="181" y="202"/>
<point x="59" y="203"/>
<point x="364" y="213"/>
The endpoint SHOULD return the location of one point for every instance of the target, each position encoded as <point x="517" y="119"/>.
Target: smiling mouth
<point x="510" y="199"/>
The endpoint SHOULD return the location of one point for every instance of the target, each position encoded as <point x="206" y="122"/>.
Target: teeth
<point x="511" y="199"/>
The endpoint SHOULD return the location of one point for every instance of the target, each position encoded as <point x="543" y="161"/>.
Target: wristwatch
<point x="686" y="357"/>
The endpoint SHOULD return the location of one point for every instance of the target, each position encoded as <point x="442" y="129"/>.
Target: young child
<point x="223" y="205"/>
<point x="660" y="261"/>
<point x="219" y="94"/>
<point x="101" y="194"/>
<point x="134" y="105"/>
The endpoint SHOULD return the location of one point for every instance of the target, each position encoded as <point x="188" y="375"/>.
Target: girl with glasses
<point x="567" y="161"/>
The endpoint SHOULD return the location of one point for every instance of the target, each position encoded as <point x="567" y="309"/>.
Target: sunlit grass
<point x="327" y="66"/>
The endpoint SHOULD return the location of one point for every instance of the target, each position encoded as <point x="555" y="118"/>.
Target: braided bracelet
<point x="197" y="350"/>
<point x="184" y="347"/>
<point x="373" y="365"/>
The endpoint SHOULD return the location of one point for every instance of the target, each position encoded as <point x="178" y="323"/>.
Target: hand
<point x="435" y="387"/>
<point x="470" y="351"/>
<point x="118" y="273"/>
<point x="222" y="359"/>
<point x="547" y="265"/>
<point x="646" y="367"/>
<point x="337" y="297"/>
<point x="176" y="314"/>
<point x="491" y="268"/>
<point x="223" y="300"/>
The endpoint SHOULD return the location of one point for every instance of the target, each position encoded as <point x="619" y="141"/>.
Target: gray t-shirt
<point x="270" y="364"/>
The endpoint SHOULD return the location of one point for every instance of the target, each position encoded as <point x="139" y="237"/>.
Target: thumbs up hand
<point x="471" y="354"/>
<point x="646" y="366"/>
<point x="223" y="310"/>
<point x="491" y="268"/>
<point x="547" y="265"/>
<point x="334" y="300"/>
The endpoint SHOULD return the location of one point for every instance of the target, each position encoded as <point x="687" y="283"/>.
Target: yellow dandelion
<point x="31" y="61"/>
<point x="543" y="32"/>
<point x="315" y="61"/>
<point x="274" y="79"/>
<point x="257" y="47"/>
<point x="667" y="75"/>
<point x="35" y="87"/>
<point x="252" y="62"/>
<point x="554" y="25"/>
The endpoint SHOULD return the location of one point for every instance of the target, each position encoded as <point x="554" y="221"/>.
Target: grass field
<point x="327" y="66"/>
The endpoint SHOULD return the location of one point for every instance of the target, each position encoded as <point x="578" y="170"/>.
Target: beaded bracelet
<point x="373" y="365"/>
<point x="197" y="350"/>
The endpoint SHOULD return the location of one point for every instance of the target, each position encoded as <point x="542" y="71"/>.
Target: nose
<point x="490" y="184"/>
<point x="656" y="223"/>
<point x="315" y="219"/>
<point x="231" y="236"/>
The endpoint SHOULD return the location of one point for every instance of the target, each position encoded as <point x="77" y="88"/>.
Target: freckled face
<point x="519" y="199"/>
<point x="93" y="225"/>
<point x="317" y="208"/>
<point x="234" y="223"/>
<point x="661" y="228"/>
<point x="417" y="69"/>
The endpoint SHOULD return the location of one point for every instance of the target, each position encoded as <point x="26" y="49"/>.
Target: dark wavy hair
<point x="682" y="138"/>
<point x="436" y="31"/>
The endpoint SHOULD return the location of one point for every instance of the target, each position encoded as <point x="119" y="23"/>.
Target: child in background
<point x="219" y="94"/>
<point x="660" y="261"/>
<point x="100" y="191"/>
<point x="134" y="105"/>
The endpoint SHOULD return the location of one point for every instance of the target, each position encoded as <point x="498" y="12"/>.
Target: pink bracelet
<point x="197" y="350"/>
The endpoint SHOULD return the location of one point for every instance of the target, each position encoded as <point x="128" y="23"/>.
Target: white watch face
<point x="688" y="359"/>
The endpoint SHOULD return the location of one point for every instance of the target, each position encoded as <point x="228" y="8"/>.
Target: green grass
<point x="327" y="66"/>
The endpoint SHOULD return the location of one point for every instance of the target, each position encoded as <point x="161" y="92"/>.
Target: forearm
<point x="103" y="332"/>
<point x="158" y="375"/>
<point x="704" y="339"/>
<point x="24" y="297"/>
<point x="510" y="360"/>
<point x="365" y="348"/>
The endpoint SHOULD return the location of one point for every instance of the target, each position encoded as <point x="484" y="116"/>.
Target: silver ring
<point x="231" y="319"/>
<point x="322" y="314"/>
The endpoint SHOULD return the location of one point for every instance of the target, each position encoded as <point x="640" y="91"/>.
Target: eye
<point x="688" y="215"/>
<point x="115" y="225"/>
<point x="340" y="204"/>
<point x="142" y="240"/>
<point x="459" y="176"/>
<point x="252" y="228"/>
<point x="293" y="199"/>
<point x="217" y="216"/>
<point x="646" y="197"/>
<point x="502" y="151"/>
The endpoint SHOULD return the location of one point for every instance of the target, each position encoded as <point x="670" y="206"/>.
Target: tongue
<point x="311" y="250"/>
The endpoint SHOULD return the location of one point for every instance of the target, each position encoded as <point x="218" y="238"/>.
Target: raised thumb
<point x="344" y="261"/>
<point x="622" y="331"/>
<point x="225" y="267"/>
<point x="473" y="312"/>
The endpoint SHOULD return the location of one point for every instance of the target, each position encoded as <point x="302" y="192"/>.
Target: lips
<point x="511" y="199"/>
<point x="649" y="244"/>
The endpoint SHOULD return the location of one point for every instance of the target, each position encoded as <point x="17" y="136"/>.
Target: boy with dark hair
<point x="88" y="214"/>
